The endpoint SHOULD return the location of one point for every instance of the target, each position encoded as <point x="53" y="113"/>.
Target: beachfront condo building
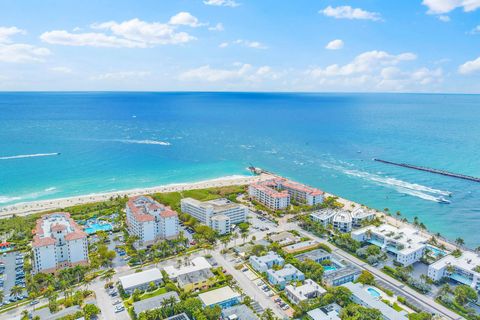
<point x="342" y="220"/>
<point x="58" y="242"/>
<point x="277" y="193"/>
<point x="465" y="269"/>
<point x="150" y="221"/>
<point x="219" y="214"/>
<point x="406" y="243"/>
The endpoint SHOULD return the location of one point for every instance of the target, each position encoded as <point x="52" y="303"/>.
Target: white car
<point x="119" y="309"/>
<point x="116" y="302"/>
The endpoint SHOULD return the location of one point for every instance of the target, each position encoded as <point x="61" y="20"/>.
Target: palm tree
<point x="477" y="249"/>
<point x="234" y="237"/>
<point x="268" y="315"/>
<point x="2" y="296"/>
<point x="460" y="242"/>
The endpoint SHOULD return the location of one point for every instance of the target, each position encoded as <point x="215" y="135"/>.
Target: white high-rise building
<point x="219" y="214"/>
<point x="58" y="242"/>
<point x="151" y="221"/>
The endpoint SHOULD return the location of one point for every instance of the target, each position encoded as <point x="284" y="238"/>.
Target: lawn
<point x="172" y="199"/>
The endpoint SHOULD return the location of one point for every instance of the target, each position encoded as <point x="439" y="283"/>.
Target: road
<point x="406" y="291"/>
<point x="248" y="287"/>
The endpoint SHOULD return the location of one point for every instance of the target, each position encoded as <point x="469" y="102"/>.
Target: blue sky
<point x="230" y="45"/>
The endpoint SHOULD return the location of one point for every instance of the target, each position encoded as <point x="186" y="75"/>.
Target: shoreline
<point x="32" y="207"/>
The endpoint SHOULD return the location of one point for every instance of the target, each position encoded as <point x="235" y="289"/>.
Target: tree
<point x="355" y="311"/>
<point x="460" y="242"/>
<point x="420" y="316"/>
<point x="366" y="278"/>
<point x="90" y="310"/>
<point x="2" y="296"/>
<point x="213" y="313"/>
<point x="268" y="315"/>
<point x="464" y="294"/>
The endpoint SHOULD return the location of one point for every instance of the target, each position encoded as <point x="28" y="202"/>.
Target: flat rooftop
<point x="153" y="302"/>
<point x="313" y="255"/>
<point x="408" y="237"/>
<point x="362" y="294"/>
<point x="467" y="261"/>
<point x="139" y="278"/>
<point x="218" y="295"/>
<point x="195" y="264"/>
<point x="239" y="312"/>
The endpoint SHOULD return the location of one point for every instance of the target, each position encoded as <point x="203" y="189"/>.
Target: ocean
<point x="117" y="141"/>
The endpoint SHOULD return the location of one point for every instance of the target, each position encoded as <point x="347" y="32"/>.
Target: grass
<point x="172" y="199"/>
<point x="149" y="294"/>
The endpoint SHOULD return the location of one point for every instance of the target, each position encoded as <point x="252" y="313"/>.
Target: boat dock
<point x="431" y="170"/>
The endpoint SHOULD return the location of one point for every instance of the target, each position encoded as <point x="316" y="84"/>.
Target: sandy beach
<point x="27" y="208"/>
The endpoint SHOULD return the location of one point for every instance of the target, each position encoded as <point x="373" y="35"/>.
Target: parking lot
<point x="267" y="290"/>
<point x="12" y="274"/>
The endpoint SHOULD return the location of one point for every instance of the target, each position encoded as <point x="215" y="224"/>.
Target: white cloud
<point x="244" y="43"/>
<point x="92" y="39"/>
<point x="363" y="63"/>
<point x="445" y="6"/>
<point x="185" y="19"/>
<point x="347" y="12"/>
<point x="133" y="33"/>
<point x="121" y="75"/>
<point x="7" y="32"/>
<point x="217" y="27"/>
<point x="19" y="52"/>
<point x="469" y="67"/>
<point x="334" y="44"/>
<point x="375" y="71"/>
<point x="222" y="3"/>
<point x="65" y="70"/>
<point x="444" y="18"/>
<point x="475" y="30"/>
<point x="240" y="73"/>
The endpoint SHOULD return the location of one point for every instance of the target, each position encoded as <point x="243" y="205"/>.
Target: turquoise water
<point x="374" y="293"/>
<point x="93" y="228"/>
<point x="116" y="141"/>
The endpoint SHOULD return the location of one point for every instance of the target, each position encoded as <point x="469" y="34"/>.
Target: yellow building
<point x="198" y="279"/>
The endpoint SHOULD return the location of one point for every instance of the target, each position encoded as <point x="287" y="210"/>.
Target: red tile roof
<point x="141" y="207"/>
<point x="41" y="240"/>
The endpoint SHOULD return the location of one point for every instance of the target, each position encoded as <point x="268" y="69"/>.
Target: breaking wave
<point x="21" y="156"/>
<point x="28" y="196"/>
<point x="413" y="189"/>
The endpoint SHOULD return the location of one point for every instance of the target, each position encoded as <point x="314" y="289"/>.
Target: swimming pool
<point x="436" y="252"/>
<point x="329" y="268"/>
<point x="374" y="293"/>
<point x="93" y="228"/>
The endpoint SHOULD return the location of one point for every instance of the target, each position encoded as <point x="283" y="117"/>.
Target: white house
<point x="58" y="242"/>
<point x="140" y="280"/>
<point x="406" y="243"/>
<point x="263" y="263"/>
<point x="464" y="269"/>
<point x="308" y="290"/>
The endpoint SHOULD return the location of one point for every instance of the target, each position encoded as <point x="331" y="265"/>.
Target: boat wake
<point x="412" y="189"/>
<point x="147" y="141"/>
<point x="21" y="156"/>
<point x="28" y="196"/>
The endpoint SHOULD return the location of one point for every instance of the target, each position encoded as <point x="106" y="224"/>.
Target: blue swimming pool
<point x="93" y="228"/>
<point x="329" y="268"/>
<point x="374" y="293"/>
<point x="436" y="252"/>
